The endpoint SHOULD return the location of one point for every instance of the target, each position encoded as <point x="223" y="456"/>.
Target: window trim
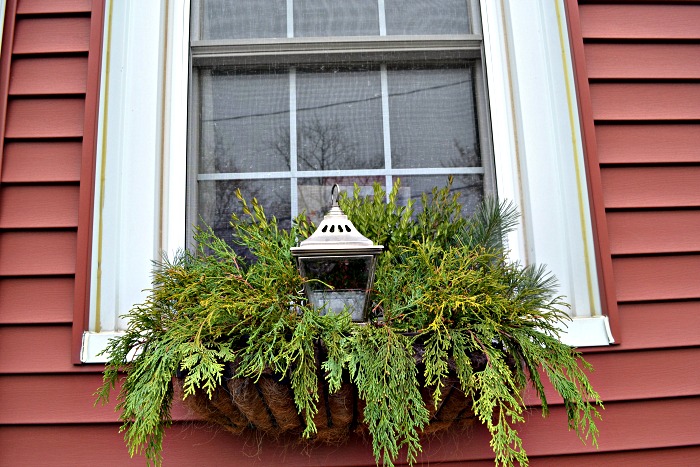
<point x="166" y="144"/>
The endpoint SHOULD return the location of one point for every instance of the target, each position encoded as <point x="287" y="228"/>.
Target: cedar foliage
<point x="443" y="283"/>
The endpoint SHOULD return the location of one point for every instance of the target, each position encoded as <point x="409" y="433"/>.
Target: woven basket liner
<point x="267" y="406"/>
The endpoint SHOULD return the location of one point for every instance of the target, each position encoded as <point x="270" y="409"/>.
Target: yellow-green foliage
<point x="444" y="282"/>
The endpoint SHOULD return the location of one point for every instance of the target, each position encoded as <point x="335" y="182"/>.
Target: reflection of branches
<point x="324" y="145"/>
<point x="468" y="156"/>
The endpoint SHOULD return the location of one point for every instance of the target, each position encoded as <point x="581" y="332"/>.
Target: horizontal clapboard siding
<point x="640" y="21"/>
<point x="659" y="325"/>
<point x="49" y="75"/>
<point x="642" y="61"/>
<point x="639" y="73"/>
<point x="641" y="232"/>
<point x="37" y="253"/>
<point x="52" y="35"/>
<point x="34" y="7"/>
<point x="45" y="118"/>
<point x="672" y="422"/>
<point x="49" y="206"/>
<point x="645" y="101"/>
<point x="655" y="143"/>
<point x="671" y="277"/>
<point x="651" y="187"/>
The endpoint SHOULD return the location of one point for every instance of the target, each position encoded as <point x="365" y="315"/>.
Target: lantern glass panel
<point x="337" y="283"/>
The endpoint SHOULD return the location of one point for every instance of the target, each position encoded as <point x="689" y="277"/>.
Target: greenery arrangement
<point x="443" y="285"/>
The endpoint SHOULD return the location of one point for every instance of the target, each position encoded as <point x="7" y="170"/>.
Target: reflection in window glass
<point x="284" y="120"/>
<point x="433" y="120"/>
<point x="469" y="187"/>
<point x="217" y="200"/>
<point x="245" y="122"/>
<point x="339" y="120"/>
<point x="314" y="194"/>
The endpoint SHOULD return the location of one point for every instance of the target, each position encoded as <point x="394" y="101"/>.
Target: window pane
<point x="217" y="200"/>
<point x="243" y="19"/>
<point x="469" y="187"/>
<point x="339" y="119"/>
<point x="404" y="17"/>
<point x="432" y="117"/>
<point x="335" y="18"/>
<point x="245" y="121"/>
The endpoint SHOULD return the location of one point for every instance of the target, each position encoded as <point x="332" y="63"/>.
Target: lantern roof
<point x="336" y="234"/>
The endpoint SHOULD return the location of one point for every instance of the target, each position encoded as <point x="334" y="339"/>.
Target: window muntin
<point x="282" y="117"/>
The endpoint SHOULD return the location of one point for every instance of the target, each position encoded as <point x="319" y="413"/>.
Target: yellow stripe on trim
<point x="570" y="99"/>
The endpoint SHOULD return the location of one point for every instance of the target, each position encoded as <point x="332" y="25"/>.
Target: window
<point x="290" y="97"/>
<point x="339" y="100"/>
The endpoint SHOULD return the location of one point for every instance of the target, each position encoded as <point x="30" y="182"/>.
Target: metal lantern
<point x="338" y="264"/>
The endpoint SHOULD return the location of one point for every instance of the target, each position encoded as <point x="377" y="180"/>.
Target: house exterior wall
<point x="639" y="89"/>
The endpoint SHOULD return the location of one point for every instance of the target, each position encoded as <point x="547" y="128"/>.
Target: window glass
<point x="339" y="119"/>
<point x="243" y="19"/>
<point x="405" y="17"/>
<point x="246" y="19"/>
<point x="334" y="18"/>
<point x="433" y="118"/>
<point x="244" y="121"/>
<point x="284" y="121"/>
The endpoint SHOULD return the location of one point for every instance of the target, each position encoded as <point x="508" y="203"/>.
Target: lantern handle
<point x="335" y="195"/>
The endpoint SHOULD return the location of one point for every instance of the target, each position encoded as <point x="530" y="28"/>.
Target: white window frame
<point x="142" y="139"/>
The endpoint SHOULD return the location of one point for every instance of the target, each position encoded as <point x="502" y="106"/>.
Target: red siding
<point x="26" y="7"/>
<point x="47" y="75"/>
<point x="630" y="21"/>
<point x="52" y="35"/>
<point x="41" y="161"/>
<point x="33" y="300"/>
<point x="638" y="81"/>
<point x="648" y="143"/>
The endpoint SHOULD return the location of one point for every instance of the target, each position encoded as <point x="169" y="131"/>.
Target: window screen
<point x="289" y="97"/>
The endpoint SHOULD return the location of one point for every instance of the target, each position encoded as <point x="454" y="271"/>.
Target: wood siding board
<point x="48" y="75"/>
<point x="642" y="61"/>
<point x="36" y="300"/>
<point x="657" y="278"/>
<point x="87" y="177"/>
<point x="36" y="7"/>
<point x="643" y="232"/>
<point x="660" y="325"/>
<point x="38" y="350"/>
<point x="39" y="206"/>
<point x="648" y="143"/>
<point x="680" y="457"/>
<point x="45" y="118"/>
<point x="52" y="161"/>
<point x="651" y="187"/>
<point x="52" y="35"/>
<point x="28" y="253"/>
<point x="640" y="21"/>
<point x="645" y="101"/>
